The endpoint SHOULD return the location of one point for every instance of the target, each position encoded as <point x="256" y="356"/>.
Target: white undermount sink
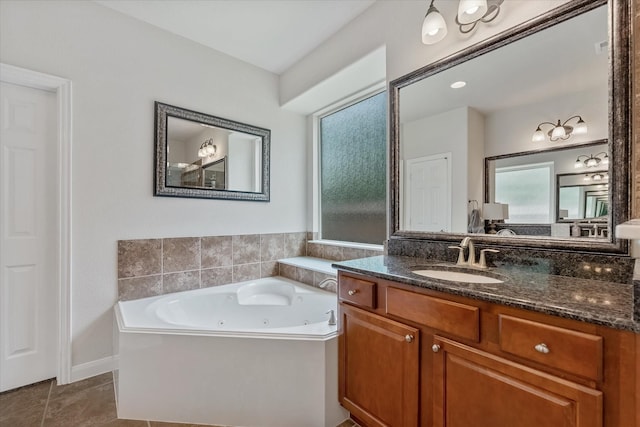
<point x="457" y="276"/>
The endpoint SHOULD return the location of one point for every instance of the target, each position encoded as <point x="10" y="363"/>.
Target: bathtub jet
<point x="260" y="353"/>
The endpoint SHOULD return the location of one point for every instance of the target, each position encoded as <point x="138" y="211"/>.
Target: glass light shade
<point x="434" y="28"/>
<point x="558" y="132"/>
<point x="580" y="128"/>
<point x="211" y="149"/>
<point x="592" y="162"/>
<point x="202" y="153"/>
<point x="471" y="10"/>
<point x="538" y="135"/>
<point x="587" y="178"/>
<point x="597" y="177"/>
<point x="605" y="160"/>
<point x="578" y="164"/>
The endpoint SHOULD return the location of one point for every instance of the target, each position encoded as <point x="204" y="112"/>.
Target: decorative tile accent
<point x="139" y="257"/>
<point x="216" y="251"/>
<point x="246" y="249"/>
<point x="181" y="254"/>
<point x="140" y="287"/>
<point x="216" y="276"/>
<point x="178" y="282"/>
<point x="246" y="272"/>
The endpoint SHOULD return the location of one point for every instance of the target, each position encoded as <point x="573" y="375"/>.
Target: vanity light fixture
<point x="434" y="28"/>
<point x="207" y="148"/>
<point x="598" y="176"/>
<point x="591" y="160"/>
<point x="471" y="12"/>
<point x="560" y="130"/>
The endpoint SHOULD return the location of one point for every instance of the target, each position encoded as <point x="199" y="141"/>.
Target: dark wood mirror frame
<point x="162" y="113"/>
<point x="619" y="126"/>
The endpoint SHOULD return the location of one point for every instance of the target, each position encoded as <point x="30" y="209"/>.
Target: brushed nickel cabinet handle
<point x="353" y="292"/>
<point x="408" y="338"/>
<point x="542" y="348"/>
<point x="435" y="348"/>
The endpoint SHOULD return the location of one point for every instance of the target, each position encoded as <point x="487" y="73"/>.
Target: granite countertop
<point x="600" y="302"/>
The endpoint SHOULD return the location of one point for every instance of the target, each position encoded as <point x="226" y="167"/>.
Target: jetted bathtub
<point x="256" y="353"/>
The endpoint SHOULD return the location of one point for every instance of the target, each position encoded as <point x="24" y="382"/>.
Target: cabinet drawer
<point x="571" y="351"/>
<point x="450" y="317"/>
<point x="357" y="291"/>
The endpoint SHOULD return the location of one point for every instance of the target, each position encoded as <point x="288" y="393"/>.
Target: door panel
<point x="428" y="200"/>
<point x="28" y="236"/>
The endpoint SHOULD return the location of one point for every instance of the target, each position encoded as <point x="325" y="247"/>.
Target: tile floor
<point x="90" y="403"/>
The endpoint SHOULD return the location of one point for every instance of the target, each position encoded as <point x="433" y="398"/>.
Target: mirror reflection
<point x="545" y="97"/>
<point x="545" y="190"/>
<point x="204" y="156"/>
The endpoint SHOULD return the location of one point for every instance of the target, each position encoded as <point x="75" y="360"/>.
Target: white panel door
<point x="428" y="200"/>
<point x="28" y="236"/>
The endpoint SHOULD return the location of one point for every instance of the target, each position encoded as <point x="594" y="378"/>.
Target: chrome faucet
<point x="471" y="258"/>
<point x="328" y="281"/>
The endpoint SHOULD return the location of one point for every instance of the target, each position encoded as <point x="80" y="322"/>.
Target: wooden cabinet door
<point x="474" y="388"/>
<point x="379" y="369"/>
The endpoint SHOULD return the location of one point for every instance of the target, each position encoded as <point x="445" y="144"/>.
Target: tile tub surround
<point x="594" y="301"/>
<point x="149" y="267"/>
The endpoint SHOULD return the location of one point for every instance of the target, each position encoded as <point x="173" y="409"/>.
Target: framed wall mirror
<point x="203" y="156"/>
<point x="456" y="149"/>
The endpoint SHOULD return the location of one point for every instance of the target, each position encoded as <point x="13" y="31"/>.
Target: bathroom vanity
<point x="534" y="350"/>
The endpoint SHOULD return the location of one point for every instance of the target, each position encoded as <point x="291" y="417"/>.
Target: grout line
<point x="46" y="405"/>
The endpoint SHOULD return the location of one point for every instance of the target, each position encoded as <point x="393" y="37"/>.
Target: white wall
<point x="396" y="25"/>
<point x="118" y="67"/>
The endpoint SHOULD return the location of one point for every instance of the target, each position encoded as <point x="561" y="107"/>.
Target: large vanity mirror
<point x="203" y="156"/>
<point x="525" y="146"/>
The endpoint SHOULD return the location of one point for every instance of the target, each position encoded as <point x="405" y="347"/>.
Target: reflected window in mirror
<point x="527" y="189"/>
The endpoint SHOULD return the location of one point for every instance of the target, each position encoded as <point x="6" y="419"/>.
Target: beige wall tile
<point x="295" y="244"/>
<point x="288" y="271"/>
<point x="216" y="276"/>
<point x="217" y="251"/>
<point x="139" y="287"/>
<point x="246" y="272"/>
<point x="180" y="254"/>
<point x="269" y="269"/>
<point x="333" y="252"/>
<point x="315" y="250"/>
<point x="305" y="276"/>
<point x="246" y="249"/>
<point x="139" y="257"/>
<point x="271" y="247"/>
<point x="182" y="281"/>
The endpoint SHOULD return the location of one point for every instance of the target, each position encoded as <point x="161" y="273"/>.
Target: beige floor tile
<point x="28" y="417"/>
<point x="60" y="390"/>
<point x="125" y="423"/>
<point x="36" y="394"/>
<point x="88" y="407"/>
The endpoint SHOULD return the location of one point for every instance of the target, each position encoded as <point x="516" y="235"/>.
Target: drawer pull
<point x="408" y="338"/>
<point x="542" y="348"/>
<point x="352" y="292"/>
<point x="435" y="348"/>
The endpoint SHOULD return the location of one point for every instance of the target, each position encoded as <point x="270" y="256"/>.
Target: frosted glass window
<point x="527" y="190"/>
<point x="353" y="165"/>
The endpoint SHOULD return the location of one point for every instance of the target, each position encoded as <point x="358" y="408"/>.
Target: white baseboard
<point x="93" y="368"/>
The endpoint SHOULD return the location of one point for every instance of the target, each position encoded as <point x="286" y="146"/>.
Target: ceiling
<point x="271" y="34"/>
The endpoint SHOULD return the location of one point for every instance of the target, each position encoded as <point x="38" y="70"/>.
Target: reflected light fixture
<point x="598" y="176"/>
<point x="207" y="148"/>
<point x="495" y="211"/>
<point x="591" y="161"/>
<point x="433" y="26"/>
<point x="560" y="130"/>
<point x="471" y="12"/>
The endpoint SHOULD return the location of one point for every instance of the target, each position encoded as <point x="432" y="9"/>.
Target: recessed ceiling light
<point x="458" y="85"/>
